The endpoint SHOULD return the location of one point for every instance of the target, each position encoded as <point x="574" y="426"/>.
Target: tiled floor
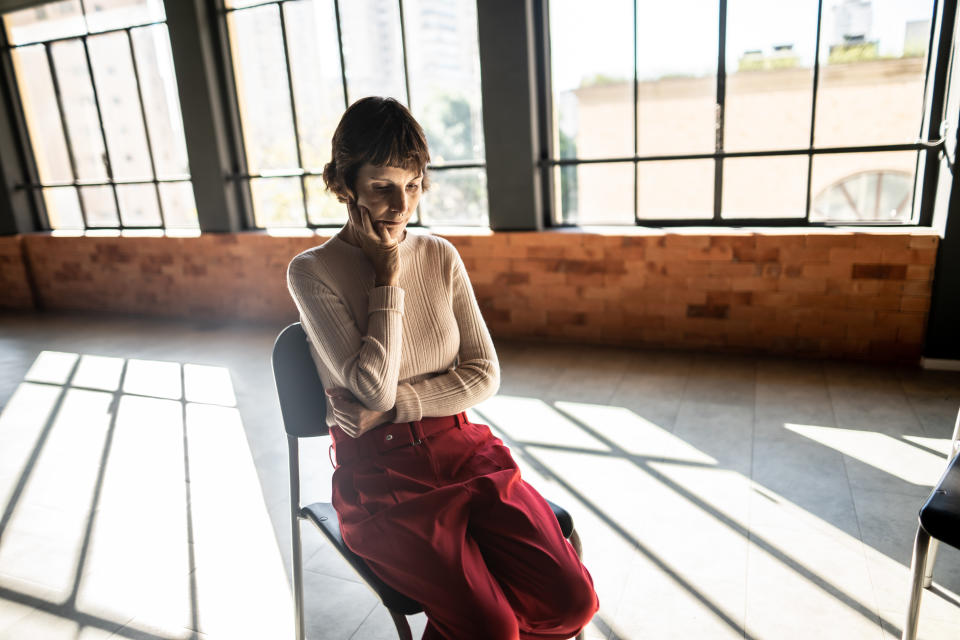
<point x="143" y="480"/>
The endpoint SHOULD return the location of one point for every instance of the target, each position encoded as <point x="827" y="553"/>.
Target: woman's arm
<point x="369" y="364"/>
<point x="476" y="375"/>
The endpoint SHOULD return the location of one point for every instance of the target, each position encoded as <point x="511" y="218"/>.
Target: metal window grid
<point x="933" y="148"/>
<point x="242" y="177"/>
<point x="34" y="184"/>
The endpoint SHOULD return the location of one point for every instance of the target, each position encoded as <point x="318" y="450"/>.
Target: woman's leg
<point x="419" y="545"/>
<point x="550" y="590"/>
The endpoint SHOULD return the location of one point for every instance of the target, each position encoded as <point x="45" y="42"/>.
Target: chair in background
<point x="939" y="522"/>
<point x="304" y="408"/>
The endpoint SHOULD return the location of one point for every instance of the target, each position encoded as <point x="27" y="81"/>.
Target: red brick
<point x="879" y="271"/>
<point x="923" y="256"/>
<point x="924" y="241"/>
<point x="915" y="303"/>
<point x="830" y="241"/>
<point x="802" y="285"/>
<point x="753" y="284"/>
<point x="919" y="272"/>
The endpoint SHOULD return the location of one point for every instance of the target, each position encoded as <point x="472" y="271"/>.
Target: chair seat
<point x="323" y="515"/>
<point x="940" y="516"/>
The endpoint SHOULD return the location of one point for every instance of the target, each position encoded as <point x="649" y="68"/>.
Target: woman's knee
<point x="575" y="601"/>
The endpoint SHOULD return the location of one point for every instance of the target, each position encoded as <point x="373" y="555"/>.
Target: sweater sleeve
<point x="476" y="375"/>
<point x="368" y="365"/>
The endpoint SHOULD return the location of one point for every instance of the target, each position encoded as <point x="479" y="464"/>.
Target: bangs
<point x="397" y="142"/>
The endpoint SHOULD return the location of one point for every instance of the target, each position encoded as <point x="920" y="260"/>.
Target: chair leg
<point x="297" y="576"/>
<point x="918" y="569"/>
<point x="931" y="559"/>
<point x="403" y="627"/>
<point x="575" y="541"/>
<point x="578" y="547"/>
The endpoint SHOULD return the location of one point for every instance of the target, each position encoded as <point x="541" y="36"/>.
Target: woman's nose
<point x="398" y="202"/>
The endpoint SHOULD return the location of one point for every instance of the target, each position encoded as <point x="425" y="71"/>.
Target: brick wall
<point x="15" y="290"/>
<point x="830" y="293"/>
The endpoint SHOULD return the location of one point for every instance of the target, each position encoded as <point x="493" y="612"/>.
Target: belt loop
<point x="416" y="429"/>
<point x="461" y="419"/>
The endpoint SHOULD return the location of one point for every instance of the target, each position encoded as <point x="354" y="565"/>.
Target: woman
<point x="433" y="503"/>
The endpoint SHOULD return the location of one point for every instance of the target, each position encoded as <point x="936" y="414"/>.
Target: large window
<point x="297" y="64"/>
<point x="97" y="87"/>
<point x="734" y="111"/>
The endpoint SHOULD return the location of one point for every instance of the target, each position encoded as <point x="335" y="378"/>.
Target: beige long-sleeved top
<point x="421" y="347"/>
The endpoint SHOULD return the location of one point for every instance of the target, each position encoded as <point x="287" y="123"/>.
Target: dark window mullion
<point x="636" y="121"/>
<point x="406" y="75"/>
<point x="103" y="133"/>
<point x="293" y="108"/>
<point x="403" y="47"/>
<point x="719" y="115"/>
<point x="813" y="112"/>
<point x="66" y="134"/>
<point x="343" y="64"/>
<point x="938" y="101"/>
<point x="146" y="130"/>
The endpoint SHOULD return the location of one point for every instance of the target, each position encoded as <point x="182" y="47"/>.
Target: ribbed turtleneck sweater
<point x="421" y="347"/>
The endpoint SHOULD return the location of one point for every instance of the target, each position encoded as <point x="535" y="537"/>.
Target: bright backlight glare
<point x="52" y="366"/>
<point x="888" y="454"/>
<point x="209" y="385"/>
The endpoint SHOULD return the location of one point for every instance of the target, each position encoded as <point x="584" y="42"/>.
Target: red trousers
<point x="447" y="520"/>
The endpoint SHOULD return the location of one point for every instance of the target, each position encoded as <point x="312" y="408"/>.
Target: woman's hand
<point x="354" y="418"/>
<point x="381" y="250"/>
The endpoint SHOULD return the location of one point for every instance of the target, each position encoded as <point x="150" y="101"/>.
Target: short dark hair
<point x="377" y="130"/>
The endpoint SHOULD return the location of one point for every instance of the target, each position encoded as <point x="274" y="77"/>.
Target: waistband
<point x="388" y="437"/>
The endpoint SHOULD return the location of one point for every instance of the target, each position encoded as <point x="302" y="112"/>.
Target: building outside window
<point x="97" y="86"/>
<point x="640" y="80"/>
<point x="297" y="64"/>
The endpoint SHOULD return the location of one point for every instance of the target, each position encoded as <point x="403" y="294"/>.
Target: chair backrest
<point x="303" y="402"/>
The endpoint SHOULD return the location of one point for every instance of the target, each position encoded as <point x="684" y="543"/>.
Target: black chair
<point x="939" y="521"/>
<point x="304" y="408"/>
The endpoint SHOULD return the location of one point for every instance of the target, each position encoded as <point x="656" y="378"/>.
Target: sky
<point x="680" y="36"/>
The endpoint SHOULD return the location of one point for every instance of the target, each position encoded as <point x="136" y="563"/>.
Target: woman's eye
<point x="413" y="187"/>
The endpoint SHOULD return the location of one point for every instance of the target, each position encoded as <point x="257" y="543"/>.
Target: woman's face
<point x="390" y="194"/>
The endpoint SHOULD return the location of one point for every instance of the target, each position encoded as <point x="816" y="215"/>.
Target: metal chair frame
<point x="925" y="548"/>
<point x="304" y="409"/>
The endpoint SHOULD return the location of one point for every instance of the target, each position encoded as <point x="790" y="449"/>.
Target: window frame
<point x="30" y="181"/>
<point x="927" y="169"/>
<point x="241" y="177"/>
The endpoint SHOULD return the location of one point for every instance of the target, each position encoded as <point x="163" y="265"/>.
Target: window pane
<point x="456" y="197"/>
<point x="122" y="13"/>
<point x="43" y="120"/>
<point x="769" y="64"/>
<point x="444" y="62"/>
<point x="179" y="208"/>
<point x="317" y="83"/>
<point x="138" y="205"/>
<point x="323" y="207"/>
<point x="46" y="22"/>
<point x="63" y="208"/>
<point x="372" y="49"/>
<point x="871" y="187"/>
<point x="120" y="106"/>
<point x="100" y="207"/>
<point x="597" y="194"/>
<point x="591" y="53"/>
<point x="277" y="202"/>
<point x="262" y="90"/>
<point x="677" y="189"/>
<point x="80" y="110"/>
<point x="677" y="68"/>
<point x="872" y="65"/>
<point x="161" y="100"/>
<point x="771" y="187"/>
